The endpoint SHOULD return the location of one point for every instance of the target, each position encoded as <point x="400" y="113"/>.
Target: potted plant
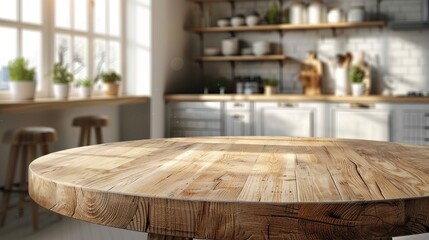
<point x="356" y="76"/>
<point x="85" y="87"/>
<point x="110" y="80"/>
<point x="22" y="84"/>
<point x="62" y="79"/>
<point x="270" y="86"/>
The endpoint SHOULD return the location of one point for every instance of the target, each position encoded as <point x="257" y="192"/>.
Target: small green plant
<point x="19" y="70"/>
<point x="357" y="75"/>
<point x="270" y="83"/>
<point x="61" y="75"/>
<point x="110" y="77"/>
<point x="88" y="83"/>
<point x="272" y="15"/>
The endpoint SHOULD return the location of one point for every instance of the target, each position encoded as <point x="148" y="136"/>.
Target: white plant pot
<point x="85" y="92"/>
<point x="342" y="85"/>
<point x="61" y="90"/>
<point x="22" y="90"/>
<point x="358" y="89"/>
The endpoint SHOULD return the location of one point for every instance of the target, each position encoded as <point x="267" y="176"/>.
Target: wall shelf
<point x="241" y="58"/>
<point x="288" y="27"/>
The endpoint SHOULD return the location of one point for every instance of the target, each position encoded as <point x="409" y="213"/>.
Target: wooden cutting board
<point x="311" y="75"/>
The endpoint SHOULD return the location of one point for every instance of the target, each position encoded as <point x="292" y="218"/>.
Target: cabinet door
<point x="274" y="119"/>
<point x="237" y="124"/>
<point x="363" y="124"/>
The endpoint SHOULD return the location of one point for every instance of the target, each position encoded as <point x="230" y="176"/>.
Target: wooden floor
<point x="67" y="229"/>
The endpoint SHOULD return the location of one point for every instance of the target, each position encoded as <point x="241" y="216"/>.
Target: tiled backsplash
<point x="399" y="59"/>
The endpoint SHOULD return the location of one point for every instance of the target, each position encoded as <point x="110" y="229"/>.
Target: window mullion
<point x="107" y="62"/>
<point x="91" y="38"/>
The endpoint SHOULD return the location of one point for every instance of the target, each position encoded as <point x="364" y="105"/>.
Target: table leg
<point x="152" y="236"/>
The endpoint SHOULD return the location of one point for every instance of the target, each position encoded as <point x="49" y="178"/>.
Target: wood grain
<point x="294" y="98"/>
<point x="46" y="104"/>
<point x="241" y="187"/>
<point x="287" y="27"/>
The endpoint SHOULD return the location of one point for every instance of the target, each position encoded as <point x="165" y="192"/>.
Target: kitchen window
<point x="85" y="35"/>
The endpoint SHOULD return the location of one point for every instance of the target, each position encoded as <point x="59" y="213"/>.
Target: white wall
<point x="171" y="58"/>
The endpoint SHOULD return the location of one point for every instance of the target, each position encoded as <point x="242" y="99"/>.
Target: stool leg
<point x="88" y="135"/>
<point x="32" y="152"/>
<point x="99" y="135"/>
<point x="10" y="177"/>
<point x="82" y="137"/>
<point x="23" y="177"/>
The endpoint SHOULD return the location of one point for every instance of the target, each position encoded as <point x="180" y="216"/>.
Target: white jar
<point x="335" y="15"/>
<point x="261" y="48"/>
<point x="230" y="47"/>
<point x="316" y="13"/>
<point x="356" y="14"/>
<point x="237" y="21"/>
<point x="298" y="13"/>
<point x="342" y="85"/>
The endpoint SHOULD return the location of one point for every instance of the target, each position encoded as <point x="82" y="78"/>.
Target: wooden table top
<point x="234" y="187"/>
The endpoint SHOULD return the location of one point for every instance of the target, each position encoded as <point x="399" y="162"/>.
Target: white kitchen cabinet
<point x="289" y="119"/>
<point x="194" y="119"/>
<point x="363" y="124"/>
<point x="411" y="123"/>
<point x="237" y="119"/>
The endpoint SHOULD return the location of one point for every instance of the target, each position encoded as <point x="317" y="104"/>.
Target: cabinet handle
<point x="287" y="105"/>
<point x="238" y="105"/>
<point x="238" y="117"/>
<point x="361" y="106"/>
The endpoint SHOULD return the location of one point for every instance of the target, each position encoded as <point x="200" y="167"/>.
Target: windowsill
<point x="46" y="104"/>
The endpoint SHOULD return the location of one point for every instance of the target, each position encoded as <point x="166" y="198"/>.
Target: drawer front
<point x="197" y="105"/>
<point x="196" y="114"/>
<point x="237" y="106"/>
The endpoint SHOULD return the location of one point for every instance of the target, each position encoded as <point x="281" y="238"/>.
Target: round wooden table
<point x="241" y="187"/>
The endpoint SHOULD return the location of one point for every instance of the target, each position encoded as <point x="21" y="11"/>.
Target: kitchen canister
<point x="335" y="15"/>
<point x="298" y="13"/>
<point x="230" y="47"/>
<point x="356" y="14"/>
<point x="316" y="12"/>
<point x="342" y="86"/>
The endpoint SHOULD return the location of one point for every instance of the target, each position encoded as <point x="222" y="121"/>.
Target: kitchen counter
<point x="294" y="98"/>
<point x="44" y="104"/>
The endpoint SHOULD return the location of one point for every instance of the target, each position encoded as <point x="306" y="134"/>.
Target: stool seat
<point x="30" y="135"/>
<point x="91" y="121"/>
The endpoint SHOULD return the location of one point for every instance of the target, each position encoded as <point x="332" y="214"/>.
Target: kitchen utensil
<point x="261" y="48"/>
<point x="298" y="13"/>
<point x="237" y="21"/>
<point x="316" y="12"/>
<point x="223" y="22"/>
<point x="211" y="51"/>
<point x="335" y="15"/>
<point x="356" y="14"/>
<point x="230" y="46"/>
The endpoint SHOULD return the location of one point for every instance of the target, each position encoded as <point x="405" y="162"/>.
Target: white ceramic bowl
<point x="261" y="48"/>
<point x="223" y="22"/>
<point x="211" y="51"/>
<point x="237" y="21"/>
<point x="252" y="20"/>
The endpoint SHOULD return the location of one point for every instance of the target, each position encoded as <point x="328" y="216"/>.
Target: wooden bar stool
<point x="86" y="123"/>
<point x="23" y="142"/>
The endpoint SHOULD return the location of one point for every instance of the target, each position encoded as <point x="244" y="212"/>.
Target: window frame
<point x="48" y="30"/>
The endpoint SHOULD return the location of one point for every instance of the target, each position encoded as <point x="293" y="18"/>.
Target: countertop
<point x="295" y="98"/>
<point x="44" y="104"/>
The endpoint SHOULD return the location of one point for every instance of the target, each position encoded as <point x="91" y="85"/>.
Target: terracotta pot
<point x="111" y="89"/>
